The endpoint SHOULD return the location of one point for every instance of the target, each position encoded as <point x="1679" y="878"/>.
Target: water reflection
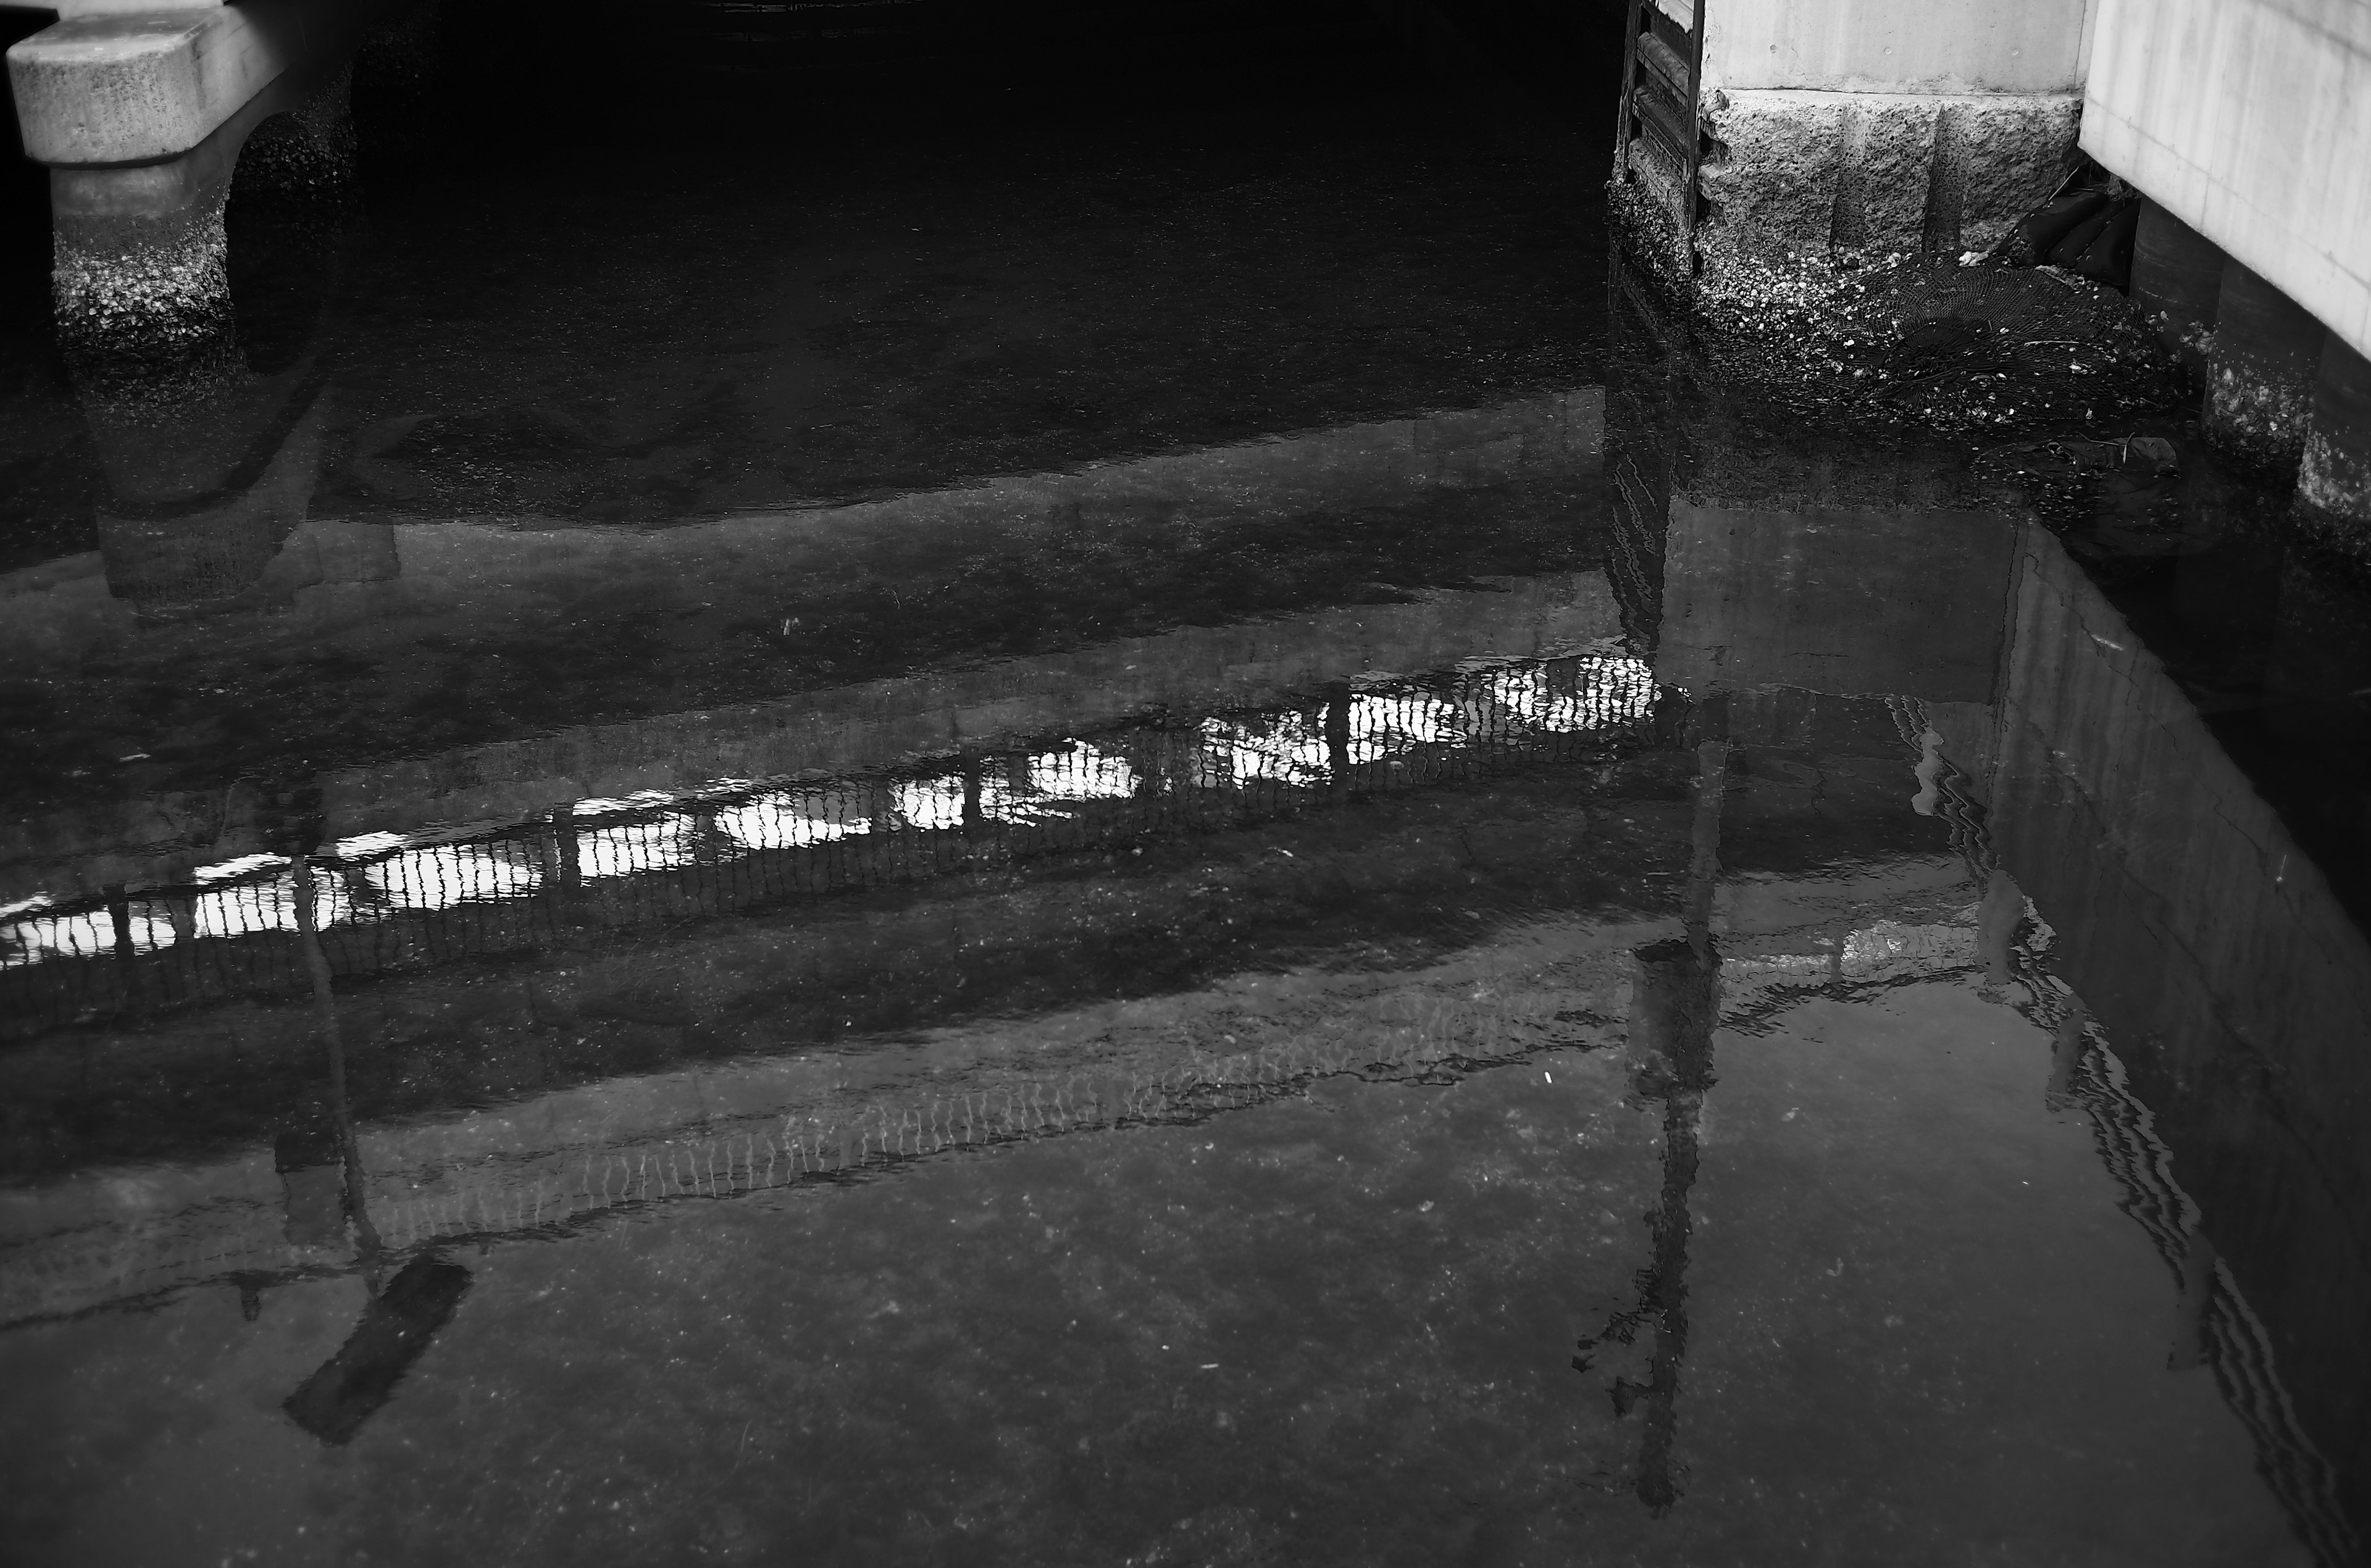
<point x="895" y="619"/>
<point x="394" y="1332"/>
<point x="1675" y="1009"/>
<point x="1771" y="752"/>
<point x="2195" y="964"/>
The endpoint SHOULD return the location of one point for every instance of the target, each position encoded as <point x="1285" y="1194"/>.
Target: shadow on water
<point x="1122" y="980"/>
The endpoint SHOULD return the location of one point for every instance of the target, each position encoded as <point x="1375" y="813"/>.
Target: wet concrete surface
<point x="1164" y="847"/>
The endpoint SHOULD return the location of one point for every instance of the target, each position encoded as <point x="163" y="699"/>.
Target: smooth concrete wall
<point x="68" y="10"/>
<point x="1896" y="46"/>
<point x="2250" y="122"/>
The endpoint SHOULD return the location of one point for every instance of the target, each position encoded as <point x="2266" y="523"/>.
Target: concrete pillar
<point x="1816" y="174"/>
<point x="2245" y="118"/>
<point x="1877" y="126"/>
<point x="141" y="117"/>
<point x="2266" y="355"/>
<point x="2177" y="284"/>
<point x="211" y="465"/>
<point x="168" y="560"/>
<point x="139" y="259"/>
<point x="2334" y="480"/>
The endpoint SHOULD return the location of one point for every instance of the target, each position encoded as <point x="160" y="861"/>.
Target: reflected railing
<point x="392" y="901"/>
<point x="760" y="1125"/>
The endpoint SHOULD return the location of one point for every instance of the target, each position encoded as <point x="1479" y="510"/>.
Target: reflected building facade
<point x="1811" y="723"/>
<point x="2209" y="986"/>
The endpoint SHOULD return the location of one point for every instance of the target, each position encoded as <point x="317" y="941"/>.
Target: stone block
<point x="1813" y="173"/>
<point x="1890" y="156"/>
<point x="1777" y="166"/>
<point x="131" y="88"/>
<point x="2014" y="149"/>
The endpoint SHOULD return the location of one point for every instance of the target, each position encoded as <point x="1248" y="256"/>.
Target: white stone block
<point x="141" y="86"/>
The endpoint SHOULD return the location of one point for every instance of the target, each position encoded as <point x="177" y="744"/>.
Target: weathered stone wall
<point x="1805" y="173"/>
<point x="1881" y="124"/>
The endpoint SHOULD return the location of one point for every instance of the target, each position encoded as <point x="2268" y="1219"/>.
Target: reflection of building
<point x="427" y="596"/>
<point x="728" y="844"/>
<point x="212" y="541"/>
<point x="738" y="1055"/>
<point x="922" y="804"/>
<point x="1930" y="716"/>
<point x="2232" y="986"/>
<point x="1133" y="983"/>
<point x="211" y="454"/>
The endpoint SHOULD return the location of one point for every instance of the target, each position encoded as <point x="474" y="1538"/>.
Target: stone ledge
<point x="111" y="89"/>
<point x="140" y="87"/>
<point x="68" y="10"/>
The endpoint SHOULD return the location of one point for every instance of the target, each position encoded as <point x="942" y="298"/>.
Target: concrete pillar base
<point x="2260" y="372"/>
<point x="139" y="258"/>
<point x="2177" y="284"/>
<point x="141" y="116"/>
<point x="180" y="536"/>
<point x="1822" y="174"/>
<point x="2334" y="478"/>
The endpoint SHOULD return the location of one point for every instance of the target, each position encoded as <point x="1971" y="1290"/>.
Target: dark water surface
<point x="1142" y="841"/>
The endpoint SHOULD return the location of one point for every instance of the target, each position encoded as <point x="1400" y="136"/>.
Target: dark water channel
<point x="1132" y="835"/>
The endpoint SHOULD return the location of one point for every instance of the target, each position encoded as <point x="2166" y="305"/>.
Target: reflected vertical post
<point x="118" y="917"/>
<point x="975" y="815"/>
<point x="1337" y="740"/>
<point x="1678" y="1004"/>
<point x="317" y="969"/>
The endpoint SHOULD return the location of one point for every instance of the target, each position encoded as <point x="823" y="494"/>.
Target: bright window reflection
<point x="372" y="875"/>
<point x="782" y="819"/>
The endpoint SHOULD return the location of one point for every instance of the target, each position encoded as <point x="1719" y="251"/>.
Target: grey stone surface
<point x="1815" y="173"/>
<point x="1775" y="176"/>
<point x="2014" y="150"/>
